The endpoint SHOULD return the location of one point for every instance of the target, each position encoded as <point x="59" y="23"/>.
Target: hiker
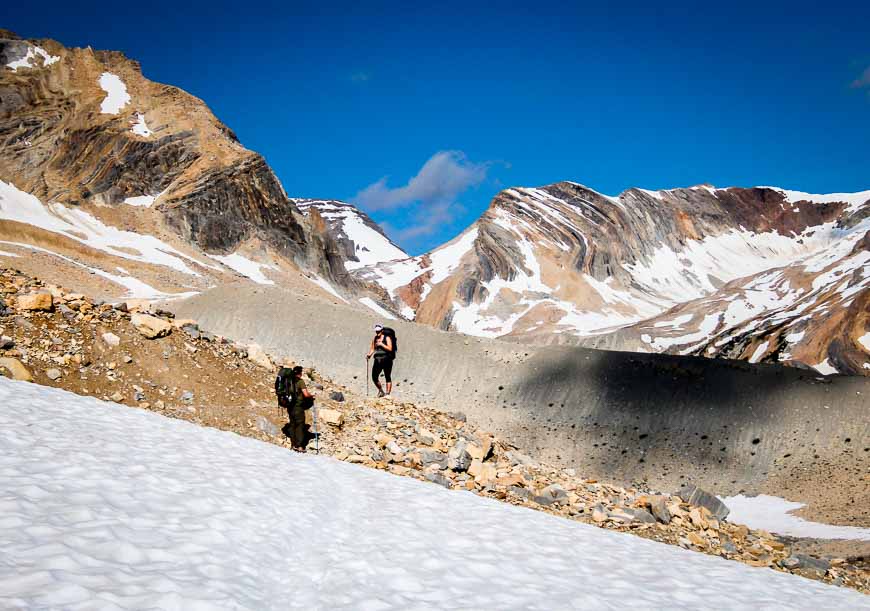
<point x="295" y="398"/>
<point x="383" y="348"/>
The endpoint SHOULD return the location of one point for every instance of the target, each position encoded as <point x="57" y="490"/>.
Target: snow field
<point x="771" y="513"/>
<point x="116" y="94"/>
<point x="246" y="267"/>
<point x="105" y="506"/>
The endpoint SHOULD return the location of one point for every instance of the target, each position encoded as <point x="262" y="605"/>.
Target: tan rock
<point x="36" y="301"/>
<point x="696" y="539"/>
<point x="512" y="479"/>
<point x="486" y="474"/>
<point x="138" y="305"/>
<point x="258" y="356"/>
<point x="333" y="417"/>
<point x="697" y="518"/>
<point x="182" y="322"/>
<point x="399" y="470"/>
<point x="480" y="452"/>
<point x="382" y="439"/>
<point x="150" y="326"/>
<point x="16" y="369"/>
<point x="427" y="437"/>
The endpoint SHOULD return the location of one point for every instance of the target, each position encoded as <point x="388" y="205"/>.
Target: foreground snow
<point x="105" y="506"/>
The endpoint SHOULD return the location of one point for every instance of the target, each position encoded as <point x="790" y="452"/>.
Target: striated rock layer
<point x="715" y="272"/>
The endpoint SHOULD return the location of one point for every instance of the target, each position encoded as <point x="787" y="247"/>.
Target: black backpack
<point x="388" y="332"/>
<point x="285" y="385"/>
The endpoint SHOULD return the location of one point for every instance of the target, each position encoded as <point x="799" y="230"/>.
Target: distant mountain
<point x="718" y="272"/>
<point x="361" y="241"/>
<point x="135" y="188"/>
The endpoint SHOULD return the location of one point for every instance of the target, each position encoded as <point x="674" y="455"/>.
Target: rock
<point x="458" y="458"/>
<point x="258" y="356"/>
<point x="812" y="565"/>
<point x="701" y="498"/>
<point x="191" y="330"/>
<point x="696" y="539"/>
<point x="599" y="514"/>
<point x="518" y="458"/>
<point x="461" y="417"/>
<point x="332" y="417"/>
<point x="138" y="305"/>
<point x="336" y="396"/>
<point x="53" y="374"/>
<point x="187" y="396"/>
<point x="110" y="339"/>
<point x="659" y="507"/>
<point x="640" y="515"/>
<point x="117" y="397"/>
<point x="382" y="439"/>
<point x="399" y="470"/>
<point x="429" y="457"/>
<point x="127" y="358"/>
<point x="790" y="563"/>
<point x="16" y="369"/>
<point x="552" y="494"/>
<point x="181" y="323"/>
<point x="697" y="518"/>
<point x="437" y="478"/>
<point x="150" y="326"/>
<point x="510" y="480"/>
<point x="265" y="426"/>
<point x="483" y="473"/>
<point x="6" y="343"/>
<point x="36" y="302"/>
<point x="395" y="449"/>
<point x="427" y="437"/>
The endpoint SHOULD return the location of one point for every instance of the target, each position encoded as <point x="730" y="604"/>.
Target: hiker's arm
<point x="388" y="344"/>
<point x="305" y="393"/>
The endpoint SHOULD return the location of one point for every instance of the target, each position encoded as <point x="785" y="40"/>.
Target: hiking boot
<point x="380" y="394"/>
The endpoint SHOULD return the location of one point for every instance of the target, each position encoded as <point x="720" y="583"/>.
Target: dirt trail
<point x="631" y="417"/>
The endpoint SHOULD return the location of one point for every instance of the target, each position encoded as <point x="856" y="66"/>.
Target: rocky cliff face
<point x="89" y="137"/>
<point x="361" y="241"/>
<point x="566" y="264"/>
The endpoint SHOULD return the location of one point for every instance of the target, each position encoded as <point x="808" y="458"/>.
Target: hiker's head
<point x="297" y="371"/>
<point x="378" y="328"/>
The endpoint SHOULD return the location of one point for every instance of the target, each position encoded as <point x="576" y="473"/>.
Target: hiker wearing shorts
<point x="383" y="350"/>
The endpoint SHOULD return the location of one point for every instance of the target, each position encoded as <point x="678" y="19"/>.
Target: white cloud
<point x="863" y="80"/>
<point x="439" y="182"/>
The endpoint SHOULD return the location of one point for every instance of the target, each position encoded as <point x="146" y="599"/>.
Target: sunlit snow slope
<point x="112" y="507"/>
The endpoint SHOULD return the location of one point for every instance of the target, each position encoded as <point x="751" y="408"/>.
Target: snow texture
<point x="825" y="368"/>
<point x="864" y="340"/>
<point x="246" y="267"/>
<point x="145" y="201"/>
<point x="772" y="514"/>
<point x="140" y="128"/>
<point x="116" y="94"/>
<point x="106" y="506"/>
<point x="76" y="224"/>
<point x="372" y="305"/>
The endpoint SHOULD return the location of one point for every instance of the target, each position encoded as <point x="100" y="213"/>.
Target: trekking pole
<point x="367" y="377"/>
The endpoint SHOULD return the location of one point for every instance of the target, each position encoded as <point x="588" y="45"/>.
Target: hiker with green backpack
<point x="295" y="397"/>
<point x="383" y="348"/>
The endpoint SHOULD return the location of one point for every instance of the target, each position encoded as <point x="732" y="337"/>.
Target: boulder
<point x="599" y="514"/>
<point x="394" y="448"/>
<point x="150" y="326"/>
<point x="138" y="305"/>
<point x="430" y="457"/>
<point x="36" y="301"/>
<point x="258" y="356"/>
<point x="552" y="494"/>
<point x="187" y="396"/>
<point x="458" y="458"/>
<point x="180" y="323"/>
<point x="437" y="478"/>
<point x="6" y="343"/>
<point x="332" y="417"/>
<point x="701" y="498"/>
<point x="427" y="437"/>
<point x="16" y="369"/>
<point x="336" y="396"/>
<point x="53" y="374"/>
<point x="110" y="339"/>
<point x="659" y="508"/>
<point x="483" y="473"/>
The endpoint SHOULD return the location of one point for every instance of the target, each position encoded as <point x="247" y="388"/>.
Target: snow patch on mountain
<point x="246" y="267"/>
<point x="76" y="224"/>
<point x="33" y="52"/>
<point x="140" y="128"/>
<point x="110" y="506"/>
<point x="116" y="94"/>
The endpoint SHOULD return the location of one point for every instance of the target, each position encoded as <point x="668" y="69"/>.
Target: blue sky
<point x="422" y="115"/>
